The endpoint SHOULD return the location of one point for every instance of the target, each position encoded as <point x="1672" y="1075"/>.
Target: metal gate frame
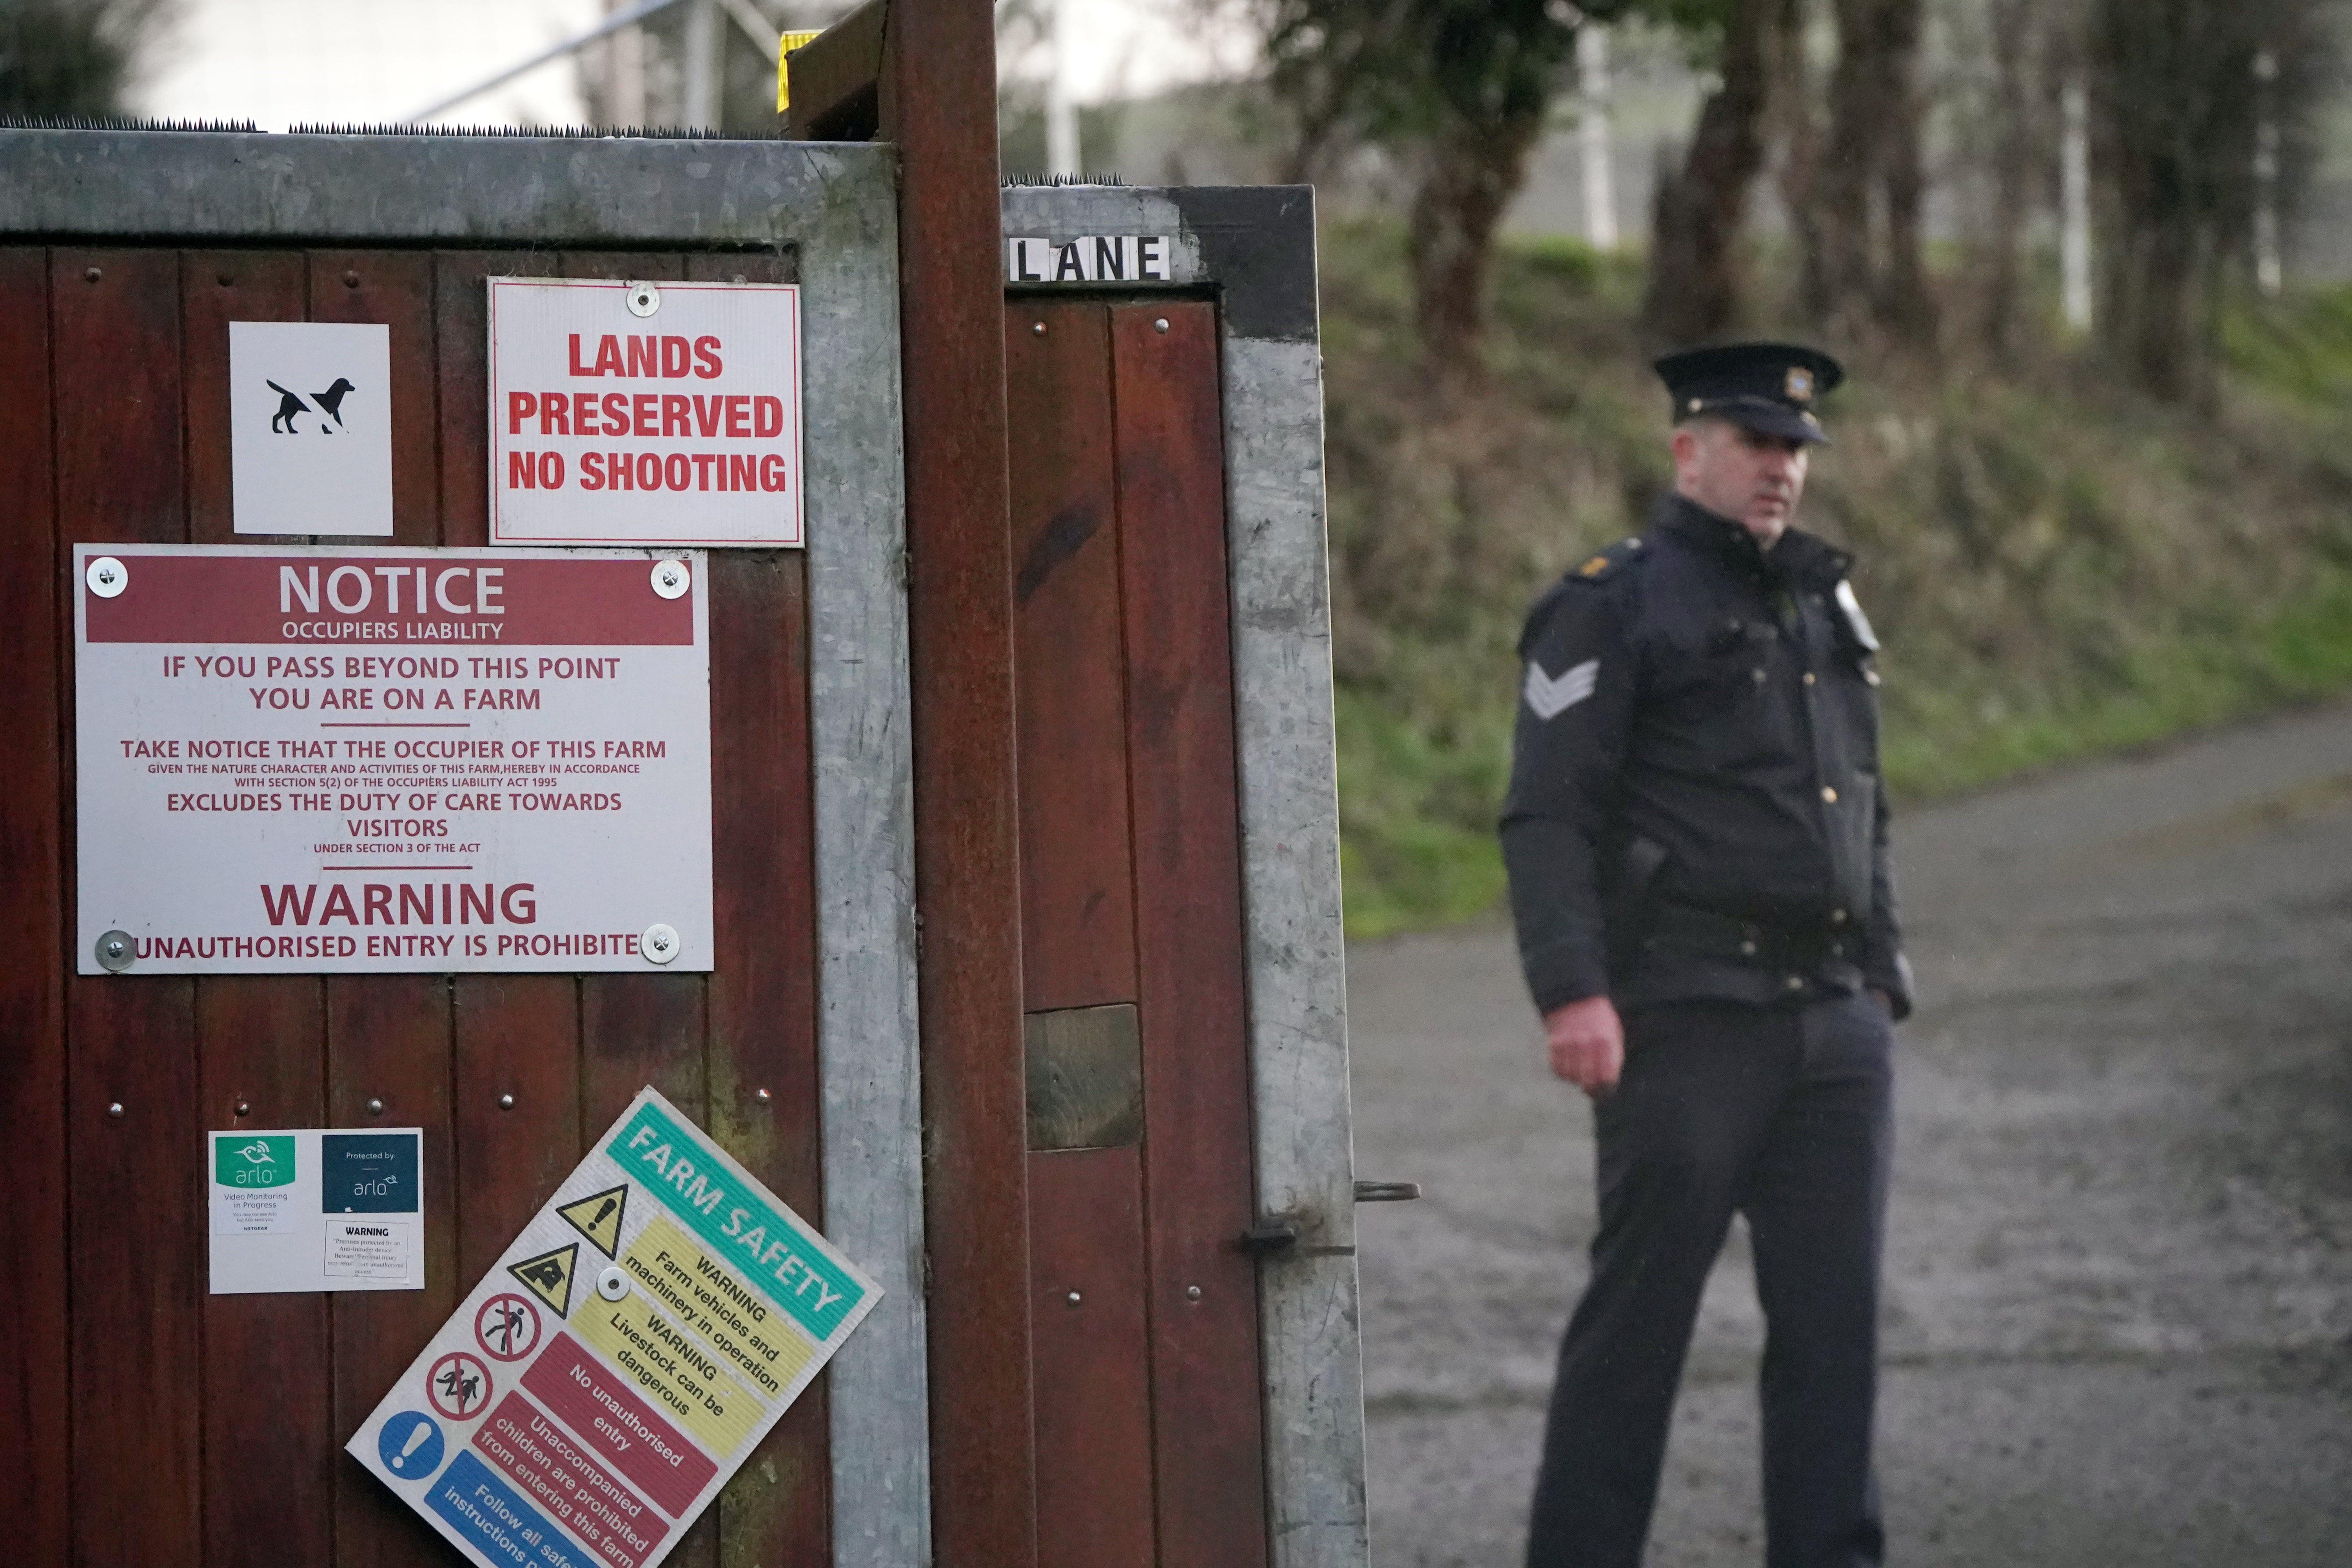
<point x="833" y="208"/>
<point x="1252" y="249"/>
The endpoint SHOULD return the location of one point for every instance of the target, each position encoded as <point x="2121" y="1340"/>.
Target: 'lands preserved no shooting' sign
<point x="644" y="411"/>
<point x="306" y="759"/>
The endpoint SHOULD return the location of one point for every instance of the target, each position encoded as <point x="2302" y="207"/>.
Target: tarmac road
<point x="2119" y="1320"/>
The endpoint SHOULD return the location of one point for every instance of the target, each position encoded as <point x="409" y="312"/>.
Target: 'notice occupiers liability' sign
<point x="620" y="1360"/>
<point x="313" y="760"/>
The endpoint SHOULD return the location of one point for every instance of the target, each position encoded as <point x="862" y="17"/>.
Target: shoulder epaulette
<point x="1607" y="564"/>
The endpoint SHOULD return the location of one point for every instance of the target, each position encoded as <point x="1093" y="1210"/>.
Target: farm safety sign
<point x="644" y="411"/>
<point x="350" y="760"/>
<point x="620" y="1360"/>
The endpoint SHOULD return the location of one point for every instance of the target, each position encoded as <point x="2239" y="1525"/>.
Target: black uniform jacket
<point x="1695" y="808"/>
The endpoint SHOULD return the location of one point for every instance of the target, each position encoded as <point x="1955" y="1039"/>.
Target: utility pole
<point x="2075" y="205"/>
<point x="698" y="66"/>
<point x="1061" y="112"/>
<point x="625" y="72"/>
<point x="2270" y="269"/>
<point x="1592" y="136"/>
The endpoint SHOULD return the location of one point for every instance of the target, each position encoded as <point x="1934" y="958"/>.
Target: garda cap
<point x="1768" y="388"/>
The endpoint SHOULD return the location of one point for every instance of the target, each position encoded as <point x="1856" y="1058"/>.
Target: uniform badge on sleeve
<point x="1550" y="697"/>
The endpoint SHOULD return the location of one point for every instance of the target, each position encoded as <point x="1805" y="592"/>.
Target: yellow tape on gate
<point x="784" y="47"/>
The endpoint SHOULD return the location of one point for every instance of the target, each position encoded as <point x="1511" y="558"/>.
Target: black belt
<point x="1768" y="944"/>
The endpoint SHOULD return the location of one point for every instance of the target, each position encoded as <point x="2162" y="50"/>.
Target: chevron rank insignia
<point x="1549" y="698"/>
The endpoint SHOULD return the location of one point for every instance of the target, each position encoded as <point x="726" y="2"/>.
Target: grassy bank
<point x="2056" y="567"/>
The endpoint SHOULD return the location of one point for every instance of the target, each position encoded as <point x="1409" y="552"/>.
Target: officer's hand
<point x="1588" y="1044"/>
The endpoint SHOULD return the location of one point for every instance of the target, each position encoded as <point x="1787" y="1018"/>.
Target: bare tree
<point x="1458" y="93"/>
<point x="2177" y="107"/>
<point x="1863" y="268"/>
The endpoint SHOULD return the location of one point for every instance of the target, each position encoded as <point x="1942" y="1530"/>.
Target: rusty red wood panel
<point x="390" y="1037"/>
<point x="765" y="1107"/>
<point x="640" y="1030"/>
<point x="217" y="287"/>
<point x="395" y="288"/>
<point x="1205" y="1351"/>
<point x="938" y="83"/>
<point x="388" y="1065"/>
<point x="270" y="1445"/>
<point x="1093" y="1372"/>
<point x="516" y="1107"/>
<point x="1077" y="910"/>
<point x="135" y="1203"/>
<point x="461" y="327"/>
<point x="635" y="1030"/>
<point x="33" y="1396"/>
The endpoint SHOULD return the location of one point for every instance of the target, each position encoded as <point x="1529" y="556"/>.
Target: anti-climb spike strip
<point x="1102" y="179"/>
<point x="118" y="122"/>
<point x="560" y="132"/>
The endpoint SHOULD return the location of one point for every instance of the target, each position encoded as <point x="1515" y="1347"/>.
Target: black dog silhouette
<point x="289" y="405"/>
<point x="331" y="400"/>
<point x="330" y="405"/>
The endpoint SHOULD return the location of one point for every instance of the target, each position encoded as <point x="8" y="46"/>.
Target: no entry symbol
<point x="507" y="1328"/>
<point x="458" y="1385"/>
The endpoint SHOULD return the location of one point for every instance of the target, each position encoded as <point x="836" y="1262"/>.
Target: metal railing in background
<point x="700" y="65"/>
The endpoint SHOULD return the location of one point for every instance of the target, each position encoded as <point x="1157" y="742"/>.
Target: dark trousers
<point x="1781" y="1114"/>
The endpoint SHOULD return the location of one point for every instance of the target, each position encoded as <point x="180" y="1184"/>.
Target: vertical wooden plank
<point x="261" y="1045"/>
<point x="461" y="327"/>
<point x="394" y="287"/>
<point x="1078" y="914"/>
<point x="1093" y="1372"/>
<point x="390" y="1037"/>
<point x="763" y="1098"/>
<point x="135" y="1219"/>
<point x="937" y="88"/>
<point x="640" y="1030"/>
<point x="388" y="1044"/>
<point x="269" y="1439"/>
<point x="1208" y="1436"/>
<point x="516" y="1106"/>
<point x="34" y="1391"/>
<point x="217" y="287"/>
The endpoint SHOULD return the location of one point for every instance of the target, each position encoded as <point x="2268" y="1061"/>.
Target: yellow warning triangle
<point x="597" y="1216"/>
<point x="549" y="1276"/>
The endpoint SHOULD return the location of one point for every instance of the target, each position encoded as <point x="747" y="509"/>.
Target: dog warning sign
<point x="644" y="411"/>
<point x="593" y="1426"/>
<point x="311" y="428"/>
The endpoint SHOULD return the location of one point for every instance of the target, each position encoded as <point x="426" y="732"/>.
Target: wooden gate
<point x="149" y="1422"/>
<point x="1191" y="1186"/>
<point x="1144" y="1311"/>
<point x="209" y="1428"/>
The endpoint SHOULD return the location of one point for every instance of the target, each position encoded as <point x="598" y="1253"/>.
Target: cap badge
<point x="1594" y="567"/>
<point x="1800" y="384"/>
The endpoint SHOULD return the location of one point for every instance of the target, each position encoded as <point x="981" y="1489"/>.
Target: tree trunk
<point x="2176" y="109"/>
<point x="1796" y="94"/>
<point x="1472" y="173"/>
<point x="1695" y="289"/>
<point x="1866" y="269"/>
<point x="1903" y="305"/>
<point x="2009" y="121"/>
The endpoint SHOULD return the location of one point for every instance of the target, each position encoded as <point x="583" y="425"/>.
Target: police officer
<point x="1696" y="840"/>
